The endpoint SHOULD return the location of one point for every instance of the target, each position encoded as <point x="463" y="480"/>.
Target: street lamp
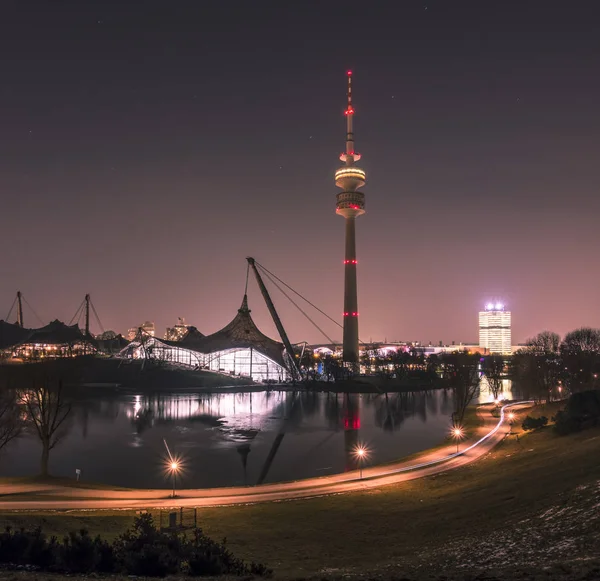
<point x="457" y="433"/>
<point x="174" y="468"/>
<point x="511" y="417"/>
<point x="361" y="454"/>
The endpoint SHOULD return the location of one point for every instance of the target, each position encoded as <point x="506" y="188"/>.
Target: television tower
<point x="350" y="204"/>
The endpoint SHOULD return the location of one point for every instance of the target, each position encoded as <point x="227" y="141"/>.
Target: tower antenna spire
<point x="349" y="119"/>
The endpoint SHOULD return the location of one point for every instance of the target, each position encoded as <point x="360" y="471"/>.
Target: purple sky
<point x="147" y="148"/>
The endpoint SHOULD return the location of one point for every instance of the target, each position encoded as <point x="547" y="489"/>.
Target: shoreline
<point x="34" y="495"/>
<point x="107" y="374"/>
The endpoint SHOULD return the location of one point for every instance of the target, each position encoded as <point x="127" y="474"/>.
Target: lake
<point x="228" y="439"/>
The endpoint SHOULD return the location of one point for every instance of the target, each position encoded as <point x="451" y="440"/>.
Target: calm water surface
<point x="234" y="438"/>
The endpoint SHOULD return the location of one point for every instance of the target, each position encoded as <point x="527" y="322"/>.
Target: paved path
<point x="34" y="496"/>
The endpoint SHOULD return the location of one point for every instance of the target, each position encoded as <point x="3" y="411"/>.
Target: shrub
<point x="530" y="423"/>
<point x="28" y="548"/>
<point x="582" y="411"/>
<point x="106" y="556"/>
<point x="565" y="424"/>
<point x="42" y="552"/>
<point x="208" y="557"/>
<point x="13" y="546"/>
<point x="142" y="550"/>
<point x="82" y="554"/>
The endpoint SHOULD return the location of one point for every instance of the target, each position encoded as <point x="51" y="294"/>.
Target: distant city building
<point x="147" y="327"/>
<point x="494" y="329"/>
<point x="178" y="332"/>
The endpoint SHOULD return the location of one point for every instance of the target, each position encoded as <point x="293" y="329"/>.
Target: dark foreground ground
<point x="529" y="510"/>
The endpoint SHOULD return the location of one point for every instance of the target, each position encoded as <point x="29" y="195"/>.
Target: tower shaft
<point x="350" y="345"/>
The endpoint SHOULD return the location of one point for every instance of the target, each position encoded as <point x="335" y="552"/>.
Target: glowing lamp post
<point x="361" y="454"/>
<point x="172" y="465"/>
<point x="174" y="468"/>
<point x="457" y="433"/>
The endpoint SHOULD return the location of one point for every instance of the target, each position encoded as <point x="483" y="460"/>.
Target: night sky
<point x="147" y="148"/>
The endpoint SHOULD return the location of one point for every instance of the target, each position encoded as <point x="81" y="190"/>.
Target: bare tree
<point x="585" y="340"/>
<point x="11" y="424"/>
<point x="537" y="375"/>
<point x="543" y="343"/>
<point x="462" y="375"/>
<point x="493" y="369"/>
<point x="46" y="415"/>
<point x="580" y="351"/>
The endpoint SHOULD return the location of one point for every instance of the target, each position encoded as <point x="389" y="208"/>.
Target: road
<point x="47" y="496"/>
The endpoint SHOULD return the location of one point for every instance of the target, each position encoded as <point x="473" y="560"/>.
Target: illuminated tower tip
<point x="350" y="204"/>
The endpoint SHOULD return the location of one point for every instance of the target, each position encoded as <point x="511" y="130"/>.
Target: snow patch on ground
<point x="566" y="531"/>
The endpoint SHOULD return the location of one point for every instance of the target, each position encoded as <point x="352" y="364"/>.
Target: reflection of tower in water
<point x="243" y="451"/>
<point x="351" y="431"/>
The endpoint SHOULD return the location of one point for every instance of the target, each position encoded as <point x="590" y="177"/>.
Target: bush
<point x="582" y="411"/>
<point x="142" y="550"/>
<point x="28" y="548"/>
<point x="530" y="423"/>
<point x="565" y="424"/>
<point x="106" y="556"/>
<point x="82" y="554"/>
<point x="208" y="557"/>
<point x="13" y="546"/>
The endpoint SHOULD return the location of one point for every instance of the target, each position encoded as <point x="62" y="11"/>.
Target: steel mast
<point x="284" y="338"/>
<point x="19" y="309"/>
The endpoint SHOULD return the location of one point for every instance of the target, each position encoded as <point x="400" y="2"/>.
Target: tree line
<point x="549" y="368"/>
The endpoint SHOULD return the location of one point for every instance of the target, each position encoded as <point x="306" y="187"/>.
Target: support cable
<point x="268" y="272"/>
<point x="299" y="308"/>
<point x="78" y="313"/>
<point x="97" y="317"/>
<point x="247" y="275"/>
<point x="33" y="311"/>
<point x="296" y="292"/>
<point x="11" y="309"/>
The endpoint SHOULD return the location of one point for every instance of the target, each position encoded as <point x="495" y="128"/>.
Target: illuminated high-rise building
<point x="350" y="204"/>
<point x="147" y="327"/>
<point x="494" y="329"/>
<point x="177" y="332"/>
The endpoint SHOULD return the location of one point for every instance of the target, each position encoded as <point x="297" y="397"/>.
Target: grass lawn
<point x="403" y="525"/>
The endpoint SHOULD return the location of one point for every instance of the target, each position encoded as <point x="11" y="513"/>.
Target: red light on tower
<point x="349" y="73"/>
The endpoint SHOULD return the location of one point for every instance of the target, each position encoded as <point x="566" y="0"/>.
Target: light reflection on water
<point x="231" y="439"/>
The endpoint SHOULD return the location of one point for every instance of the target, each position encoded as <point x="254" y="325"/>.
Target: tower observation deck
<point x="350" y="204"/>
